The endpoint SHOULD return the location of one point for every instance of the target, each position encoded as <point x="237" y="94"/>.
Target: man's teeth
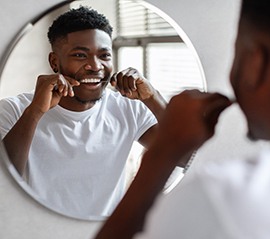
<point x="90" y="81"/>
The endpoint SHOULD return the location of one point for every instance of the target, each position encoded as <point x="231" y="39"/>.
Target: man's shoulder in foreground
<point x="225" y="200"/>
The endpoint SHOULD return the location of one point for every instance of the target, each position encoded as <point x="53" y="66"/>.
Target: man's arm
<point x="188" y="122"/>
<point x="18" y="140"/>
<point x="157" y="104"/>
<point x="131" y="84"/>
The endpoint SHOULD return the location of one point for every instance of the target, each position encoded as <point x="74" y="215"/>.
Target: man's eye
<point x="80" y="55"/>
<point x="106" y="56"/>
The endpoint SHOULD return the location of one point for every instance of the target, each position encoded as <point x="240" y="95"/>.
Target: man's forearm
<point x="18" y="140"/>
<point x="157" y="104"/>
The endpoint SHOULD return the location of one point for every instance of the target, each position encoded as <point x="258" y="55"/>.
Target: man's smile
<point x="90" y="80"/>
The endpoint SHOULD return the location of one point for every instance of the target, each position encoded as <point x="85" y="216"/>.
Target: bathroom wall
<point x="211" y="26"/>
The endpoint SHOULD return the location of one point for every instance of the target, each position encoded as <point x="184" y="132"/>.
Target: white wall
<point x="211" y="26"/>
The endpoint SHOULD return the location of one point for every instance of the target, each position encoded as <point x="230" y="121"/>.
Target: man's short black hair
<point x="257" y="12"/>
<point x="79" y="19"/>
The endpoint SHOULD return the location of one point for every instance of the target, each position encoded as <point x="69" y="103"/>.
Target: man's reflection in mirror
<point x="71" y="136"/>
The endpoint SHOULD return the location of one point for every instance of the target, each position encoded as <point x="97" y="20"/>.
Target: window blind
<point x="136" y="20"/>
<point x="149" y="43"/>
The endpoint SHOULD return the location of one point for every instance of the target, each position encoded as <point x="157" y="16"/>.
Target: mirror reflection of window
<point x="170" y="67"/>
<point x="147" y="41"/>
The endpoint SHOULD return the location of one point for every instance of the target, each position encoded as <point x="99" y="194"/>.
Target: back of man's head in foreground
<point x="250" y="75"/>
<point x="257" y="12"/>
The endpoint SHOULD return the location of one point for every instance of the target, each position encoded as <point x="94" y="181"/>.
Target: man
<point x="224" y="200"/>
<point x="72" y="136"/>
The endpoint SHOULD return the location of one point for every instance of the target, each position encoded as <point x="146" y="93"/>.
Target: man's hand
<point x="131" y="83"/>
<point x="189" y="120"/>
<point x="50" y="89"/>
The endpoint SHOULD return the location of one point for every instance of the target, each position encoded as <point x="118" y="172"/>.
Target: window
<point x="150" y="44"/>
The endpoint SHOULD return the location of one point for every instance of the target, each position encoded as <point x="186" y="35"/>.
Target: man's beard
<point x="84" y="102"/>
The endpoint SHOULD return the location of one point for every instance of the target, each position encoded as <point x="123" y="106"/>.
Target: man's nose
<point x="94" y="65"/>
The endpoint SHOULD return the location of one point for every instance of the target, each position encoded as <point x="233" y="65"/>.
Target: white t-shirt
<point x="77" y="159"/>
<point x="225" y="200"/>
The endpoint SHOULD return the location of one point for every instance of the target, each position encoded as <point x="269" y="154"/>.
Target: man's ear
<point x="258" y="67"/>
<point x="53" y="60"/>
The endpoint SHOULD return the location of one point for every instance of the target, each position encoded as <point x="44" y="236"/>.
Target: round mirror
<point x="144" y="37"/>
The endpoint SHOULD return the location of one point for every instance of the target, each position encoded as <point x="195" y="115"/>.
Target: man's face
<point x="250" y="92"/>
<point x="87" y="57"/>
